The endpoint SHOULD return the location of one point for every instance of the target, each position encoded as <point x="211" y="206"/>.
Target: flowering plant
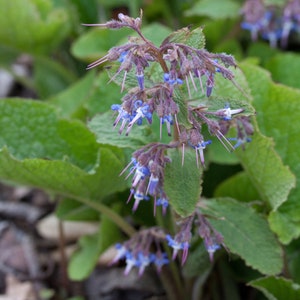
<point x="184" y="156"/>
<point x="162" y="86"/>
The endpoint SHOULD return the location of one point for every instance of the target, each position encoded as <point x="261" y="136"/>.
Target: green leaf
<point x="214" y="9"/>
<point x="92" y="94"/>
<point x="102" y="126"/>
<point x="245" y="233"/>
<point x="193" y="38"/>
<point x="277" y="288"/>
<point x="57" y="155"/>
<point x="279" y="117"/>
<point x="156" y="32"/>
<point x="31" y="129"/>
<point x="269" y="176"/>
<point x="237" y="89"/>
<point x="84" y="260"/>
<point x="70" y="100"/>
<point x="46" y="26"/>
<point x="238" y="187"/>
<point x="64" y="178"/>
<point x="182" y="183"/>
<point x="285" y="68"/>
<point x="96" y="43"/>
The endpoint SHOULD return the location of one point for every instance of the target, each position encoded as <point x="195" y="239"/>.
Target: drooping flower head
<point x="142" y="250"/>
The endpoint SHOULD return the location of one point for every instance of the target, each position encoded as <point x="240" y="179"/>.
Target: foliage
<point x="65" y="143"/>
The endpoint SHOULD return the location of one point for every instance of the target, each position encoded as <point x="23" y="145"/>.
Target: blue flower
<point x="143" y="262"/>
<point x="164" y="203"/>
<point x="209" y="83"/>
<point x="168" y="120"/>
<point x="211" y="248"/>
<point x="257" y="25"/>
<point x="131" y="262"/>
<point x="141" y="172"/>
<point x="178" y="245"/>
<point x="226" y="113"/>
<point x="152" y="184"/>
<point x="160" y="260"/>
<point x="141" y="112"/>
<point x="139" y="196"/>
<point x="122" y="56"/>
<point x="199" y="151"/>
<point x="172" y="81"/>
<point x="121" y="252"/>
<point x="123" y="116"/>
<point x="240" y="141"/>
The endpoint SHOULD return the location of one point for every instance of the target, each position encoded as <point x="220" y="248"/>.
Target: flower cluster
<point x="156" y="80"/>
<point x="179" y="63"/>
<point x="211" y="238"/>
<point x="270" y="22"/>
<point x="145" y="247"/>
<point x="140" y="104"/>
<point x="142" y="250"/>
<point x="147" y="166"/>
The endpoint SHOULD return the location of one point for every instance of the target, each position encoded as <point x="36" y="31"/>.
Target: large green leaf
<point x="61" y="156"/>
<point x="279" y="117"/>
<point x="277" y="288"/>
<point x="64" y="178"/>
<point x="31" y="129"/>
<point x="182" y="183"/>
<point x="269" y="176"/>
<point x="245" y="233"/>
<point x="33" y="26"/>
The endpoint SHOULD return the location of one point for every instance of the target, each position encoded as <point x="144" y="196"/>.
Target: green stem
<point x="117" y="219"/>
